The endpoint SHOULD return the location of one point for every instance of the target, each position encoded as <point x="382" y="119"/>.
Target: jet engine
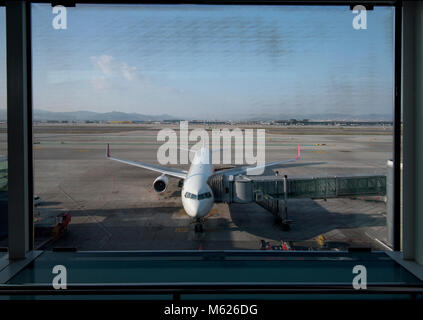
<point x="160" y="184"/>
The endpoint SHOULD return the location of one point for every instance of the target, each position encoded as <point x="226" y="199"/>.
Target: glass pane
<point x="109" y="79"/>
<point x="3" y="131"/>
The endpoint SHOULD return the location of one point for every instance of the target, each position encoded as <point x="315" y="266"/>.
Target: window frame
<point x="23" y="111"/>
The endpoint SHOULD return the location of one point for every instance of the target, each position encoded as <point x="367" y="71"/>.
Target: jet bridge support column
<point x="285" y="221"/>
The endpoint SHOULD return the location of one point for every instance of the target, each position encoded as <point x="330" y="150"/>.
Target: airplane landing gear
<point x="198" y="226"/>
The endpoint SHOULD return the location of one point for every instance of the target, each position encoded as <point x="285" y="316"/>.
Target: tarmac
<point x="114" y="207"/>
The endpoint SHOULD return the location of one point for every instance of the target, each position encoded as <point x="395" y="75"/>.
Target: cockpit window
<point x="201" y="196"/>
<point x="190" y="195"/>
<point x="205" y="195"/>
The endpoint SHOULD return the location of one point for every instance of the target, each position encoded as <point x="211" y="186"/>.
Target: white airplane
<point x="197" y="196"/>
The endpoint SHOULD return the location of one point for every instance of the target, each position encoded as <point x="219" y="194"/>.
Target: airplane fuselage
<point x="197" y="196"/>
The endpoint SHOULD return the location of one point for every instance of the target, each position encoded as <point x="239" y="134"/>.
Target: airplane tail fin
<point x="298" y="152"/>
<point x="108" y="151"/>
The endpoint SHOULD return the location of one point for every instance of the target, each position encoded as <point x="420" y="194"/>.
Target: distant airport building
<point x="121" y="122"/>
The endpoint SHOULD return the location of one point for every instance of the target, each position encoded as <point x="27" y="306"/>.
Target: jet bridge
<point x="246" y="189"/>
<point x="268" y="191"/>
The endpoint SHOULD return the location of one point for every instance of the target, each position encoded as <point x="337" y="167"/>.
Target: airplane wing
<point x="182" y="174"/>
<point x="252" y="170"/>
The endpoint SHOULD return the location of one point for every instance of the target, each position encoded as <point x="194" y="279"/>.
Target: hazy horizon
<point x="81" y="115"/>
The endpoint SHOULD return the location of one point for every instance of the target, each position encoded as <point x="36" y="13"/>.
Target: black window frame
<point x="25" y="28"/>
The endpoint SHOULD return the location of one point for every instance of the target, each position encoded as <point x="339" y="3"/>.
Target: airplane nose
<point x="197" y="209"/>
<point x="191" y="207"/>
<point x="204" y="207"/>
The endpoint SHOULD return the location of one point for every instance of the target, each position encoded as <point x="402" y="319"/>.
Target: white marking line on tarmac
<point x="380" y="242"/>
<point x="89" y="216"/>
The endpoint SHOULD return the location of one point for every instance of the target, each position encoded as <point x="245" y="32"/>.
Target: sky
<point x="214" y="62"/>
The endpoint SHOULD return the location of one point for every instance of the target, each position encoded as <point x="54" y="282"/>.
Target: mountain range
<point x="44" y="115"/>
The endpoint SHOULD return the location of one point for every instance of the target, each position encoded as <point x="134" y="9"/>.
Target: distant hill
<point x="43" y="115"/>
